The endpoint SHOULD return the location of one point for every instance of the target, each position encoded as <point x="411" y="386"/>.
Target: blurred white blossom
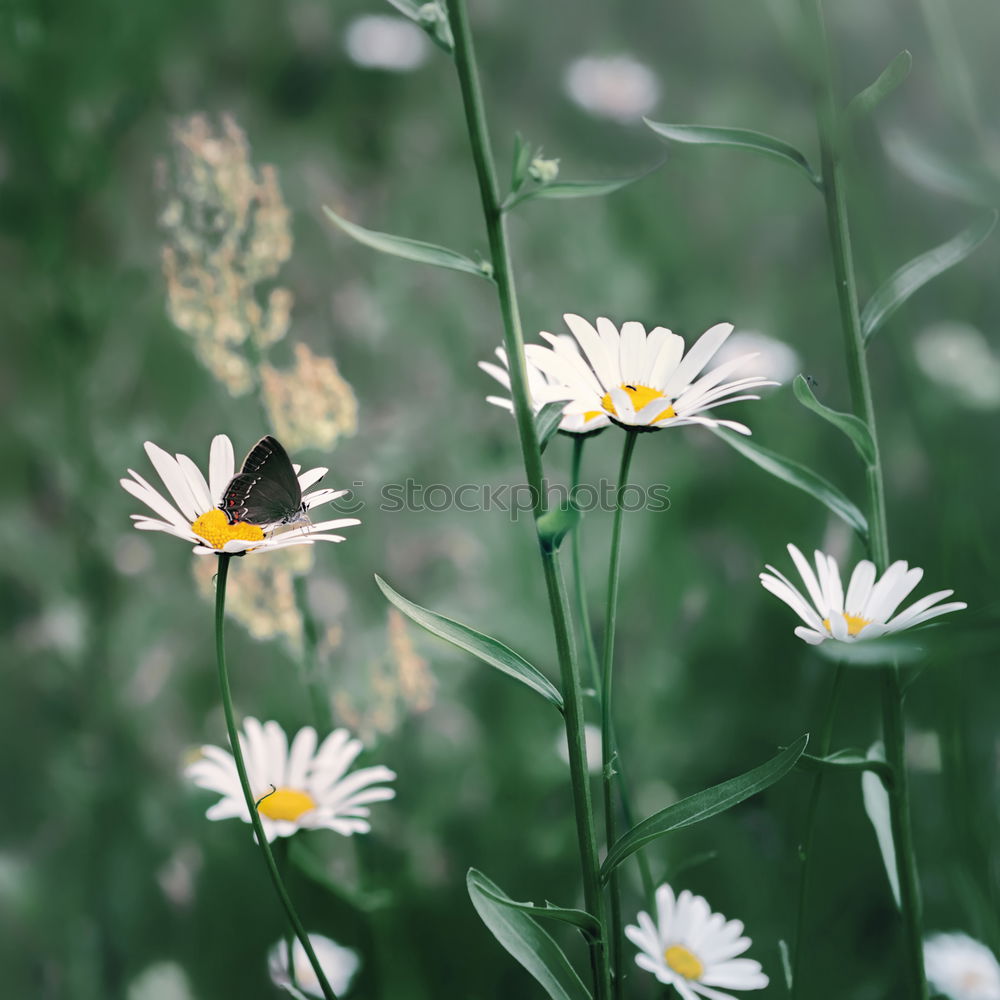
<point x="957" y="357"/>
<point x="339" y="964"/>
<point x="961" y="967"/>
<point x="379" y="41"/>
<point x="592" y="741"/>
<point x="617" y="87"/>
<point x="162" y="981"/>
<point x="774" y="359"/>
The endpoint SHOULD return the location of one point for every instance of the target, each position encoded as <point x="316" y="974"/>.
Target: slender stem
<point x="468" y="76"/>
<point x="241" y="770"/>
<point x="838" y="229"/>
<point x="309" y="659"/>
<point x="805" y="848"/>
<point x="608" y="748"/>
<point x="593" y="668"/>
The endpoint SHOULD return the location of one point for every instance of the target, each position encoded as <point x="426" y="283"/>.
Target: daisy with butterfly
<point x="262" y="508"/>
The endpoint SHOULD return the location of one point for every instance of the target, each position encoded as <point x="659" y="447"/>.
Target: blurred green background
<point x="107" y="865"/>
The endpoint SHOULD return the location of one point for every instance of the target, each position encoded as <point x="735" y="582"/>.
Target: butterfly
<point x="266" y="490"/>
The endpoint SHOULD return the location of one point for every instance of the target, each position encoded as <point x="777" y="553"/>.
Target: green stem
<point x="309" y="659"/>
<point x="468" y="76"/>
<point x="838" y="228"/>
<point x="805" y="848"/>
<point x="593" y="668"/>
<point x="608" y="749"/>
<point x="234" y="742"/>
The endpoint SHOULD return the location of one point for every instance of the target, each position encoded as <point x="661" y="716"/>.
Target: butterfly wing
<point x="266" y="490"/>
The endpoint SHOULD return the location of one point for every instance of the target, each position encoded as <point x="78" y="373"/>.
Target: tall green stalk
<point x="608" y="749"/>
<point x="234" y="742"/>
<point x="838" y="228"/>
<point x="465" y="62"/>
<point x="593" y="667"/>
<point x="805" y="848"/>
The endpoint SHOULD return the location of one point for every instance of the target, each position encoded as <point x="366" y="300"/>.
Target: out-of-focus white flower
<point x="867" y="611"/>
<point x="592" y="741"/>
<point x="693" y="949"/>
<point x="764" y="355"/>
<point x="961" y="967"/>
<point x="339" y="964"/>
<point x="379" y="41"/>
<point x="958" y="357"/>
<point x="617" y="87"/>
<point x="161" y="981"/>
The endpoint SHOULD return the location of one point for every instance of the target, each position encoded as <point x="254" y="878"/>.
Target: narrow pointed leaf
<point x="519" y="167"/>
<point x="786" y="965"/>
<point x="525" y="939"/>
<point x="547" y="421"/>
<point x="742" y="138"/>
<point x="876" y="800"/>
<point x="580" y="919"/>
<point x="888" y="80"/>
<point x="703" y="805"/>
<point x="849" y="760"/>
<point x="402" y="246"/>
<point x="800" y="476"/>
<point x="486" y="648"/>
<point x="855" y="428"/>
<point x="573" y="189"/>
<point x="913" y="276"/>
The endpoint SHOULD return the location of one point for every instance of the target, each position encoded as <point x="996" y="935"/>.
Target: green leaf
<point x="519" y="167"/>
<point x="743" y="138"/>
<point x="554" y="525"/>
<point x="547" y="421"/>
<point x="530" y="944"/>
<point x="401" y="246"/>
<point x="913" y="276"/>
<point x="854" y="427"/>
<point x="487" y="649"/>
<point x="786" y="964"/>
<point x="888" y="80"/>
<point x="800" y="476"/>
<point x="573" y="189"/>
<point x="968" y="182"/>
<point x="703" y="805"/>
<point x="587" y="924"/>
<point x="876" y="800"/>
<point x="849" y="760"/>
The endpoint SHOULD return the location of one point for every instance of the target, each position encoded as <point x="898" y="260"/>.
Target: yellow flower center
<point x="640" y="395"/>
<point x="215" y="528"/>
<point x="855" y="623"/>
<point x="286" y="803"/>
<point x="685" y="963"/>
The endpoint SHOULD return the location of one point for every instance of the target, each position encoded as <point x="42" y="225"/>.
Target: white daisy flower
<point x="194" y="512"/>
<point x="693" y="949"/>
<point x="639" y="379"/>
<point x="961" y="967"/>
<point x="297" y="787"/>
<point x="865" y="612"/>
<point x="339" y="964"/>
<point x="543" y="389"/>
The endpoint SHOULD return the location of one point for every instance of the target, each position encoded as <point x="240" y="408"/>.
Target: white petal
<point x="631" y="351"/>
<point x="221" y="466"/>
<point x="196" y="482"/>
<point x="311" y="477"/>
<point x="174" y="480"/>
<point x="700" y="354"/>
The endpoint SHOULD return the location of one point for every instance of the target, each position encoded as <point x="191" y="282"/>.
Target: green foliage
<point x="876" y="92"/>
<point x="740" y="138"/>
<point x="703" y="805"/>
<point x="855" y="428"/>
<point x="491" y="651"/>
<point x="525" y="939"/>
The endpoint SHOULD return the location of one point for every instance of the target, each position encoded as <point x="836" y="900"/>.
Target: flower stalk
<point x="234" y="741"/>
<point x="475" y="117"/>
<point x="838" y="228"/>
<point x="608" y="749"/>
